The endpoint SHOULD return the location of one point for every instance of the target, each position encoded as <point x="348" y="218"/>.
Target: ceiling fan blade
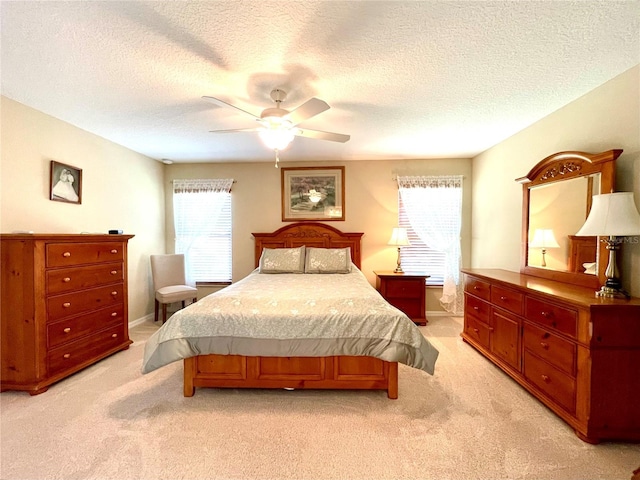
<point x="222" y="103"/>
<point x="308" y="109"/>
<point x="334" y="137"/>
<point x="235" y="130"/>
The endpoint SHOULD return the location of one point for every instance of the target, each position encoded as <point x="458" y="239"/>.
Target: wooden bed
<point x="337" y="372"/>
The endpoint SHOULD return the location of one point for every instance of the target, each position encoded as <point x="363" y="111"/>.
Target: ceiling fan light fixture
<point x="277" y="137"/>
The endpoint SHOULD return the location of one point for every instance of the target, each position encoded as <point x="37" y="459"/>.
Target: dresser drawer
<point x="72" y="354"/>
<point x="477" y="287"/>
<point x="67" y="254"/>
<point x="559" y="318"/>
<point x="73" y="328"/>
<point x="66" y="305"/>
<point x="508" y="299"/>
<point x="557" y="351"/>
<point x="554" y="383"/>
<point x="78" y="278"/>
<point x="478" y="331"/>
<point x="401" y="288"/>
<point x="477" y="308"/>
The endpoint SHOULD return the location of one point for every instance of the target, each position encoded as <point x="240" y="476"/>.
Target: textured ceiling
<point x="418" y="79"/>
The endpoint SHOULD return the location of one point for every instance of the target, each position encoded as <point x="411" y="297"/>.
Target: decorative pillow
<point x="282" y="260"/>
<point x="590" y="268"/>
<point x="328" y="260"/>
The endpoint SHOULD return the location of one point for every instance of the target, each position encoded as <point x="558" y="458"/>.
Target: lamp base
<point x="398" y="270"/>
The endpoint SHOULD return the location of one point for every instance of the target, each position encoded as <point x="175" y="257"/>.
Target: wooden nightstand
<point x="405" y="291"/>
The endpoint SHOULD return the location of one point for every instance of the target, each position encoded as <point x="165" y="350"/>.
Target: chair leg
<point x="164" y="313"/>
<point x="155" y="317"/>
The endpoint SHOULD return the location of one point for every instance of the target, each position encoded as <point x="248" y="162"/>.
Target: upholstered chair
<point x="169" y="282"/>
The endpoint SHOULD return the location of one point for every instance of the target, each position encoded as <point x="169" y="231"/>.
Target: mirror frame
<point x="556" y="168"/>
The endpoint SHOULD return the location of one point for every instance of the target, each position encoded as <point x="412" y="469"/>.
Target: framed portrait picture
<point x="312" y="193"/>
<point x="65" y="184"/>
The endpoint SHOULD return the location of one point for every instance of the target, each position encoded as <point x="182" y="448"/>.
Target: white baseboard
<point x="141" y="320"/>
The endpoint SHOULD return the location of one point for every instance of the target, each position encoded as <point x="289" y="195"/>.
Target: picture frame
<point x="312" y="193"/>
<point x="65" y="183"/>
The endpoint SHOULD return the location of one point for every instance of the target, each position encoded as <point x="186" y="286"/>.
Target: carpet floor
<point x="469" y="421"/>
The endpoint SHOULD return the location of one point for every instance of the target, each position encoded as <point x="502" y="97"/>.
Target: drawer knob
<point x="503" y="298"/>
<point x="545" y="377"/>
<point x="66" y="279"/>
<point x="113" y="272"/>
<point x="476" y="330"/>
<point x="66" y="330"/>
<point x="491" y="329"/>
<point x="476" y="308"/>
<point x="544" y="345"/>
<point x="114" y="293"/>
<point x="66" y="304"/>
<point x="545" y="314"/>
<point x="114" y="251"/>
<point x="475" y="287"/>
<point x="66" y="254"/>
<point x="114" y="314"/>
<point x="66" y="355"/>
<point x="115" y="335"/>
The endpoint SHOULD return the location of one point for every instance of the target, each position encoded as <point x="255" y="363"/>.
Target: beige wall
<point x="371" y="205"/>
<point x="121" y="189"/>
<point x="605" y="118"/>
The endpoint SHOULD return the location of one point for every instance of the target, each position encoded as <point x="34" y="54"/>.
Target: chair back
<point x="168" y="270"/>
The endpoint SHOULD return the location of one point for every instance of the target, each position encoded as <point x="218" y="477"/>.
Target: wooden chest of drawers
<point x="64" y="306"/>
<point x="576" y="353"/>
<point x="406" y="292"/>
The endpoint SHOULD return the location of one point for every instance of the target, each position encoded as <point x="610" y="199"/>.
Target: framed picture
<point x="65" y="183"/>
<point x="312" y="193"/>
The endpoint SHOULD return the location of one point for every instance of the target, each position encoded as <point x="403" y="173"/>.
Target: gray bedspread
<point x="292" y="315"/>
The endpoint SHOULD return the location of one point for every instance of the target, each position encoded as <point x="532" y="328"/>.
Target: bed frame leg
<point x="189" y="372"/>
<point x="392" y="390"/>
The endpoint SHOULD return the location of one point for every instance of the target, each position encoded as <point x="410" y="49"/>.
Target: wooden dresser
<point x="404" y="291"/>
<point x="64" y="305"/>
<point x="578" y="354"/>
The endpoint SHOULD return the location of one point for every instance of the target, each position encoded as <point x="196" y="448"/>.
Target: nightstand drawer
<point x="557" y="385"/>
<point x="561" y="319"/>
<point x="477" y="308"/>
<point x="410" y="307"/>
<point x="557" y="351"/>
<point x="403" y="288"/>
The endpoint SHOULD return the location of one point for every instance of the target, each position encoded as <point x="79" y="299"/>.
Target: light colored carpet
<point x="469" y="421"/>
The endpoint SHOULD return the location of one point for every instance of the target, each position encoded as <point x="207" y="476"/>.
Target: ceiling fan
<point x="277" y="126"/>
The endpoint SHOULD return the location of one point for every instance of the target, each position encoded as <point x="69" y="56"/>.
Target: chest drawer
<point x="72" y="354"/>
<point x="68" y="254"/>
<point x="551" y="316"/>
<point x="66" y="305"/>
<point x="557" y="351"/>
<point x="554" y="383"/>
<point x="404" y="288"/>
<point x="477" y="308"/>
<point x="77" y="278"/>
<point x="478" y="331"/>
<point x="73" y="328"/>
<point x="508" y="299"/>
<point x="477" y="287"/>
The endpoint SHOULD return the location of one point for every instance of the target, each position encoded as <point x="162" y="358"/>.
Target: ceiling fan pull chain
<point x="277" y="157"/>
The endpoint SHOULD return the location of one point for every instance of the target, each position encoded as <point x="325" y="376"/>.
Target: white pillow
<point x="328" y="260"/>
<point x="282" y="260"/>
<point x="589" y="268"/>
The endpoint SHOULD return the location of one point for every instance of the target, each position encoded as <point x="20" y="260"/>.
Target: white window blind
<point x="202" y="219"/>
<point x="418" y="257"/>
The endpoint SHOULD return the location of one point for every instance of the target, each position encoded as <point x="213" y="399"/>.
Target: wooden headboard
<point x="310" y="234"/>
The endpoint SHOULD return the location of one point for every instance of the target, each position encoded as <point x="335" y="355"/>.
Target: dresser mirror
<point x="557" y="195"/>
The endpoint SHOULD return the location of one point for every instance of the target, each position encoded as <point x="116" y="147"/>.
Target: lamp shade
<point x="612" y="214"/>
<point x="399" y="237"/>
<point x="544" y="238"/>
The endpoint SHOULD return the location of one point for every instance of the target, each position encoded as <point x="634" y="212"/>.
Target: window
<point x="202" y="219"/>
<point x="431" y="210"/>
<point x="418" y="257"/>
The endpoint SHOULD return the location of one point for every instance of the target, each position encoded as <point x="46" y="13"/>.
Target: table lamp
<point x="399" y="239"/>
<point x="543" y="238"/>
<point x="612" y="215"/>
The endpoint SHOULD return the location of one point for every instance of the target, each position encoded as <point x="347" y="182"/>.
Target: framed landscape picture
<point x="312" y="193"/>
<point x="65" y="183"/>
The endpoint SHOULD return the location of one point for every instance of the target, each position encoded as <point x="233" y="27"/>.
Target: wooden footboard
<point x="340" y="373"/>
